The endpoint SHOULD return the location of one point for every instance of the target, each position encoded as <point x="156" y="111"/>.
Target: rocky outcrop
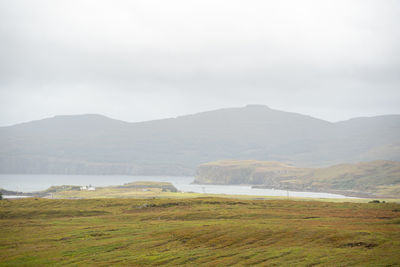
<point x="362" y="179"/>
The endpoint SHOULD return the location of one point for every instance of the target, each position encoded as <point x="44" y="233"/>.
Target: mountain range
<point x="95" y="144"/>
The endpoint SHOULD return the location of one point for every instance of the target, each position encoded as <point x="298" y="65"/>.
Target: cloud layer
<point x="140" y="60"/>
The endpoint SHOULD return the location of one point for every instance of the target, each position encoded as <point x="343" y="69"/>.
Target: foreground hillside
<point x="94" y="144"/>
<point x="198" y="232"/>
<point x="379" y="178"/>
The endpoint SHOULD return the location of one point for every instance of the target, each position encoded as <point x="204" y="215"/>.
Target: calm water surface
<point x="30" y="183"/>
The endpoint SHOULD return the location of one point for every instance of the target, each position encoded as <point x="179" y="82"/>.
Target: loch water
<point x="37" y="182"/>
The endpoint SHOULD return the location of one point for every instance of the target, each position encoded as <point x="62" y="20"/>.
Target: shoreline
<point x="346" y="194"/>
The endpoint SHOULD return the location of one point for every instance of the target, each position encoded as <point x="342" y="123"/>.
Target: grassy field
<point x="140" y="189"/>
<point x="198" y="232"/>
<point x="150" y="190"/>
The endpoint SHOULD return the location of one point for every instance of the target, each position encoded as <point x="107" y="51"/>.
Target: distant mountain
<point x="376" y="178"/>
<point x="94" y="144"/>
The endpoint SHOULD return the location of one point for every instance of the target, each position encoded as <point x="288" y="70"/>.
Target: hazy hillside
<point x="94" y="144"/>
<point x="378" y="177"/>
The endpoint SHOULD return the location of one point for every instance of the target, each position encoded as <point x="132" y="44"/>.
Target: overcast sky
<point x="142" y="60"/>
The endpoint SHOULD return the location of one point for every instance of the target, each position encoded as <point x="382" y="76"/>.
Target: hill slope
<point x="380" y="178"/>
<point x="94" y="144"/>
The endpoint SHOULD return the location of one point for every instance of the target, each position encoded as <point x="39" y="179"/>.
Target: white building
<point x="88" y="188"/>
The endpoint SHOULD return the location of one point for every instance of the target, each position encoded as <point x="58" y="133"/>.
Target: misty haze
<point x="212" y="133"/>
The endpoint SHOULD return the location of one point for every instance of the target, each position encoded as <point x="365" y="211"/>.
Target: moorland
<point x="198" y="232"/>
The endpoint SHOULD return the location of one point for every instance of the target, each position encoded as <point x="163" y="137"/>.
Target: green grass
<point x="198" y="232"/>
<point x="115" y="192"/>
<point x="150" y="190"/>
<point x="154" y="192"/>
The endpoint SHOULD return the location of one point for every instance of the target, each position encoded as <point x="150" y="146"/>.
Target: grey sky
<point x="141" y="60"/>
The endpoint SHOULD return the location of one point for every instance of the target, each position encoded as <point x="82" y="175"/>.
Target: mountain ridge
<point x="62" y="116"/>
<point x="75" y="144"/>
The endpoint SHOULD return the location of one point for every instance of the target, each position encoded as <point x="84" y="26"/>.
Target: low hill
<point x="380" y="178"/>
<point x="144" y="189"/>
<point x="95" y="144"/>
